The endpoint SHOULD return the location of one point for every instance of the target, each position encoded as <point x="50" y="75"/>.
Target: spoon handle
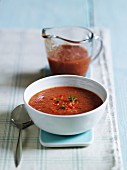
<point x="18" y="152"/>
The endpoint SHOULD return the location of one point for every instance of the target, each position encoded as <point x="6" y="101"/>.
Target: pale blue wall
<point x="41" y="13"/>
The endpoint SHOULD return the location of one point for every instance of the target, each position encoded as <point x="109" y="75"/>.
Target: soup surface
<point x="65" y="100"/>
<point x="69" y="59"/>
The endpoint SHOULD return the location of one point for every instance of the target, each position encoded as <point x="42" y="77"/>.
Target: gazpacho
<point x="65" y="100"/>
<point x="69" y="59"/>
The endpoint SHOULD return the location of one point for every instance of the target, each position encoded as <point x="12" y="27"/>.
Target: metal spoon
<point x="21" y="119"/>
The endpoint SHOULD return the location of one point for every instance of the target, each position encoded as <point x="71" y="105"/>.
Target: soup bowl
<point x="66" y="124"/>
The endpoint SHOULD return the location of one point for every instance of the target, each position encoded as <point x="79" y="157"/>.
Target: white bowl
<point x="70" y="124"/>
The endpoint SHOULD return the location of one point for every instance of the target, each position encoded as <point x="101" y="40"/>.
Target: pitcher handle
<point x="97" y="38"/>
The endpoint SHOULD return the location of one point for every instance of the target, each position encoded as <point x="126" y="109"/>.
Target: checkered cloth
<point x="22" y="61"/>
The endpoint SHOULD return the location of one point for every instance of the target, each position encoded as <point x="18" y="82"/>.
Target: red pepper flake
<point x="61" y="97"/>
<point x="53" y="110"/>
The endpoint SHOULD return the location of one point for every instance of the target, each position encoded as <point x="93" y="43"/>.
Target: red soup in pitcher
<point x="69" y="59"/>
<point x="65" y="100"/>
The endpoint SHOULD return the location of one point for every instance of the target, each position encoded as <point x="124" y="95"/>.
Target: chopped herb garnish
<point x="72" y="99"/>
<point x="58" y="99"/>
<point x="63" y="106"/>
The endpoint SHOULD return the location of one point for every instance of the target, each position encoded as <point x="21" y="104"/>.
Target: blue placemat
<point x="52" y="140"/>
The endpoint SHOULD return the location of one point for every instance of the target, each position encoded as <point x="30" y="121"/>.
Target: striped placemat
<point x="22" y="61"/>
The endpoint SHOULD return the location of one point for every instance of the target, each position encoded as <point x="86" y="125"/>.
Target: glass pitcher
<point x="70" y="49"/>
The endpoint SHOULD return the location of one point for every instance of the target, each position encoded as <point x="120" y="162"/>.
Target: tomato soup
<point x="69" y="59"/>
<point x="65" y="100"/>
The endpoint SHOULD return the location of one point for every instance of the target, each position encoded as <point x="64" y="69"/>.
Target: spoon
<point x="21" y="119"/>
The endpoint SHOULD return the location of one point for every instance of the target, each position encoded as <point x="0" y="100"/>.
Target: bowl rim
<point x="67" y="116"/>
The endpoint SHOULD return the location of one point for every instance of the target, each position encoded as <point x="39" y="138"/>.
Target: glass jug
<point x="70" y="49"/>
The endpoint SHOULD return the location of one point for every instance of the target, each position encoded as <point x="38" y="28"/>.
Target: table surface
<point x="104" y="14"/>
